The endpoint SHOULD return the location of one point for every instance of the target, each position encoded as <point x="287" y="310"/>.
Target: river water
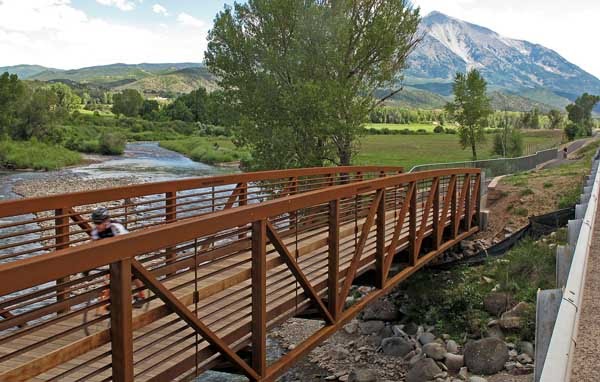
<point x="149" y="163"/>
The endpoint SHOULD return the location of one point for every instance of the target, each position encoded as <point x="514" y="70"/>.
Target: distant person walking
<point x="565" y="152"/>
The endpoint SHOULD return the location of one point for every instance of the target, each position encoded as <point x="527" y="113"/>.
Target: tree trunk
<point x="473" y="149"/>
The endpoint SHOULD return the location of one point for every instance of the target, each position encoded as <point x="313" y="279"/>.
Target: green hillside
<point x="173" y="83"/>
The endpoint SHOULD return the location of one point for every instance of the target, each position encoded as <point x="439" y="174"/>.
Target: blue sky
<point x="70" y="34"/>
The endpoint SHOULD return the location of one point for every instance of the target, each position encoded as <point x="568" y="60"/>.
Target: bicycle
<point x="97" y="288"/>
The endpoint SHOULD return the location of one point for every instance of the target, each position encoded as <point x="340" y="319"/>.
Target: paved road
<point x="574" y="146"/>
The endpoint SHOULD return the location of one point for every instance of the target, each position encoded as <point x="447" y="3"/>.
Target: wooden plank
<point x="121" y="332"/>
<point x="259" y="297"/>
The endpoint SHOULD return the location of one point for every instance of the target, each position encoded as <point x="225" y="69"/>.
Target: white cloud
<point x="157" y="8"/>
<point x="568" y="29"/>
<point x="55" y="34"/>
<point x="190" y="21"/>
<point x="123" y="5"/>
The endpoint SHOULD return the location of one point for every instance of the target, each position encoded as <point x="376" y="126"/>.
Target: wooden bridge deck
<point x="313" y="244"/>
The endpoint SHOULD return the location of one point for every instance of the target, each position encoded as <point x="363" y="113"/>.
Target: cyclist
<point x="105" y="228"/>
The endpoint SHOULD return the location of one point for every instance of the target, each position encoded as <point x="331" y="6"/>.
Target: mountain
<point x="25" y="71"/>
<point x="176" y="82"/>
<point x="109" y="75"/>
<point x="450" y="45"/>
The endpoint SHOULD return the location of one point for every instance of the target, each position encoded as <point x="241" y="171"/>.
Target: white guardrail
<point x="561" y="351"/>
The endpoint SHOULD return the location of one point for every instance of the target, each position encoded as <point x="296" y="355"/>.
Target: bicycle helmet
<point x="100" y="214"/>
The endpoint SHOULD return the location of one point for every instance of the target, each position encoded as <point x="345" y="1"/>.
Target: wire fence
<point x="499" y="166"/>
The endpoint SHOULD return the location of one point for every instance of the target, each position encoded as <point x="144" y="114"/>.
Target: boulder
<point x="452" y="347"/>
<point x="435" y="350"/>
<point x="524" y="358"/>
<point x="362" y="375"/>
<point x="381" y="310"/>
<point x="371" y="327"/>
<point x="477" y="379"/>
<point x="495" y="331"/>
<point x="386" y="332"/>
<point x="423" y="371"/>
<point x="411" y="328"/>
<point x="426" y="338"/>
<point x="396" y="346"/>
<point x="486" y="356"/>
<point x="497" y="303"/>
<point x="527" y="348"/>
<point x="512" y="319"/>
<point x="351" y="327"/>
<point x="454" y="361"/>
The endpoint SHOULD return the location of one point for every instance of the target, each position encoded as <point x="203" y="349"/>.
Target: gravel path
<point x="587" y="357"/>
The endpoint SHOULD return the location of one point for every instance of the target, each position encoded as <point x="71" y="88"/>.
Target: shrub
<point x="112" y="143"/>
<point x="36" y="155"/>
<point x="439" y="129"/>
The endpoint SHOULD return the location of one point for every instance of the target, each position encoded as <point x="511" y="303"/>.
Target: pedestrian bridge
<point x="223" y="260"/>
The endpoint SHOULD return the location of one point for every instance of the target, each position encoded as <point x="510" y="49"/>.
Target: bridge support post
<point x="170" y="216"/>
<point x="380" y="245"/>
<point x="61" y="231"/>
<point x="121" y="332"/>
<point x="412" y="228"/>
<point x="333" y="279"/>
<point x="259" y="297"/>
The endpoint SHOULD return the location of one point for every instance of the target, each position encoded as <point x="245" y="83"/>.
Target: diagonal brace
<point x="285" y="254"/>
<point x="190" y="318"/>
<point x="366" y="229"/>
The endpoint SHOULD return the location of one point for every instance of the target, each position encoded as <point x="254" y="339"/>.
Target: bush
<point x="112" y="144"/>
<point x="439" y="129"/>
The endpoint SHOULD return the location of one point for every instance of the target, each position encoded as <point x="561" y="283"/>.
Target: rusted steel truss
<point x="217" y="282"/>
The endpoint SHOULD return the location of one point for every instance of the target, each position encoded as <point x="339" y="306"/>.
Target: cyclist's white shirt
<point x="115" y="229"/>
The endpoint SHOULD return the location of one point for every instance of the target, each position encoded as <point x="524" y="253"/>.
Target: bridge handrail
<point x="25" y="273"/>
<point x="561" y="351"/>
<point x="32" y="226"/>
<point x="42" y="203"/>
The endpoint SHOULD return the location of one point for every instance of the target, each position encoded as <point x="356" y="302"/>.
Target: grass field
<point x="412" y="150"/>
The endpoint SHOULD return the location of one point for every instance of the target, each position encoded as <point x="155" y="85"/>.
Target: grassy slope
<point x="36" y="155"/>
<point x="207" y="149"/>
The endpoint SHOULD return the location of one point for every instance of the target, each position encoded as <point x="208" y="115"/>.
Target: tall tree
<point x="556" y="119"/>
<point x="303" y="74"/>
<point x="580" y="112"/>
<point x="129" y="103"/>
<point x="471" y="108"/>
<point x="12" y="99"/>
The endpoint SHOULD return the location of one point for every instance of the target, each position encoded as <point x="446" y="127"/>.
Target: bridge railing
<point x="32" y="226"/>
<point x="233" y="275"/>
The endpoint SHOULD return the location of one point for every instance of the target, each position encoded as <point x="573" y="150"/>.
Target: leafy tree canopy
<point x="303" y="74"/>
<point x="471" y="108"/>
<point x="580" y="112"/>
<point x="129" y="103"/>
